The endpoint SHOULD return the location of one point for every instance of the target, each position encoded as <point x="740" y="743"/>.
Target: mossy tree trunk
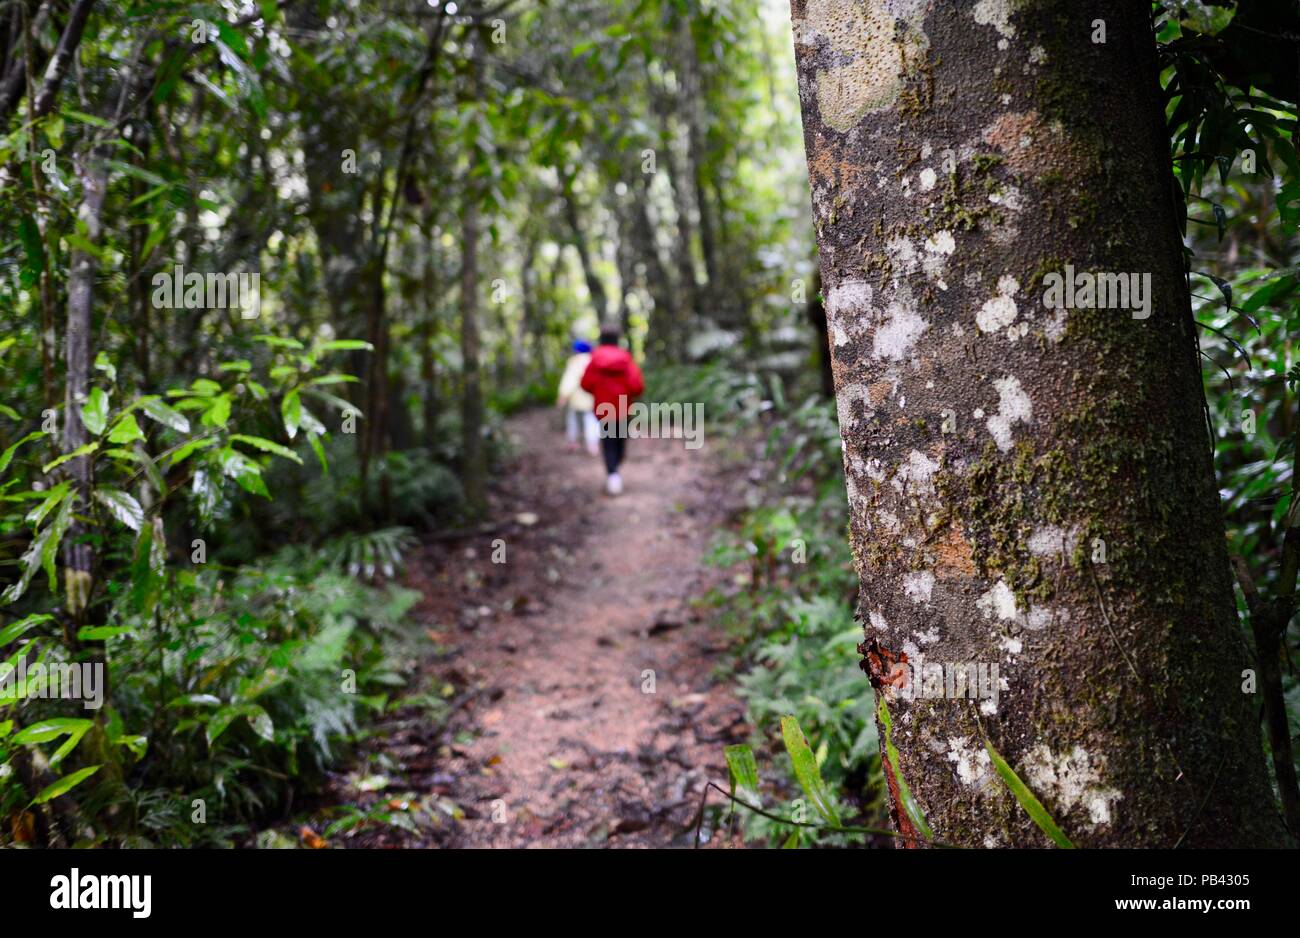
<point x="1030" y="487"/>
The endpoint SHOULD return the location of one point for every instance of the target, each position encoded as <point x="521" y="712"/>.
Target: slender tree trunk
<point x="49" y="333"/>
<point x="599" y="302"/>
<point x="79" y="556"/>
<point x="137" y="294"/>
<point x="665" y="333"/>
<point x="428" y="329"/>
<point x="690" y="302"/>
<point x="473" y="461"/>
<point x="1030" y="488"/>
<point x="533" y="325"/>
<point x="690" y="107"/>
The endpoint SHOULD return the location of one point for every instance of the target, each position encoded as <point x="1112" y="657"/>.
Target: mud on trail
<point x="585" y="708"/>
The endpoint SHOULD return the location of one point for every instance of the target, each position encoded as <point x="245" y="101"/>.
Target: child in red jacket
<point x="613" y="379"/>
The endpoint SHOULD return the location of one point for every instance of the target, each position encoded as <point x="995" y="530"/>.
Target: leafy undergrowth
<point x="243" y="687"/>
<point x="790" y="606"/>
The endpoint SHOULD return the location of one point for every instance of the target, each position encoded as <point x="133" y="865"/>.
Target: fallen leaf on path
<point x="628" y="825"/>
<point x="310" y="838"/>
<point x="665" y="623"/>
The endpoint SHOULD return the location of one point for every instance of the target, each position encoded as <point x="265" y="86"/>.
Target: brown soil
<point x="584" y="707"/>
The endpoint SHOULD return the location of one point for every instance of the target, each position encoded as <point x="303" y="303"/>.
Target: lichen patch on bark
<point x="871" y="42"/>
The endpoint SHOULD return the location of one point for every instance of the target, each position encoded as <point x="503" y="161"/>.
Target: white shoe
<point x="614" y="484"/>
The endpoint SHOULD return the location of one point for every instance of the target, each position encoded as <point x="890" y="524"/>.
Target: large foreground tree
<point x="1029" y="474"/>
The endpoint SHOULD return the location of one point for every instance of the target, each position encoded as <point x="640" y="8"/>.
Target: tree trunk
<point x="579" y="241"/>
<point x="473" y="462"/>
<point x="428" y="330"/>
<point x="690" y="302"/>
<point x="533" y="325"/>
<point x="78" y="555"/>
<point x="1029" y="487"/>
<point x="665" y="335"/>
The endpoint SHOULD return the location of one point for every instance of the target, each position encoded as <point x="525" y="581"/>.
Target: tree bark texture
<point x="1029" y="487"/>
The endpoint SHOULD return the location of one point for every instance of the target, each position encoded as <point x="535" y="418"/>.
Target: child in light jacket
<point x="579" y="406"/>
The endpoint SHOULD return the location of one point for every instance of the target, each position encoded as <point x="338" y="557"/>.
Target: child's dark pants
<point x="612" y="446"/>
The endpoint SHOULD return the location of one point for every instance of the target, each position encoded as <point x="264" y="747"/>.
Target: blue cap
<point x="580" y="346"/>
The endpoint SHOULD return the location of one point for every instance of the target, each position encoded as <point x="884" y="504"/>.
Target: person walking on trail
<point x="579" y="406"/>
<point x="613" y="380"/>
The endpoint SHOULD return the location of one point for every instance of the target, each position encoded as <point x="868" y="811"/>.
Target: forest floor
<point x="587" y="691"/>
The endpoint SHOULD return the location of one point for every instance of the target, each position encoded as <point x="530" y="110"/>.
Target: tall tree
<point x="1030" y="487"/>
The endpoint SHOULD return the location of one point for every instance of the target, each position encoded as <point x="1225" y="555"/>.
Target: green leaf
<point x="204" y="387"/>
<point x="84" y="118"/>
<point x="100" y="633"/>
<point x="126" y="430"/>
<point x="195" y="700"/>
<point x="105" y="364"/>
<point x="8" y="455"/>
<point x="30" y="562"/>
<point x="910" y="807"/>
<point x="279" y="342"/>
<point x="260" y="721"/>
<point x="65" y="784"/>
<point x="806" y="769"/>
<point x="744" y="770"/>
<point x="1033" y="807"/>
<point x="30" y="235"/>
<point x="136" y="745"/>
<point x="335" y="378"/>
<point x="138" y="172"/>
<point x="80" y="451"/>
<point x="346" y="345"/>
<point x="36" y="517"/>
<point x="54" y="537"/>
<point x="319" y="450"/>
<point x="191" y="447"/>
<point x="22" y="626"/>
<point x="169" y="417"/>
<point x="218" y="412"/>
<point x="46" y="730"/>
<point x="266" y="446"/>
<point x="94" y="413"/>
<point x="291" y="411"/>
<point x="122" y="506"/>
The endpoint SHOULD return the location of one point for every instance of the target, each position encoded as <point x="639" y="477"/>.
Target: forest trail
<point x="586" y="708"/>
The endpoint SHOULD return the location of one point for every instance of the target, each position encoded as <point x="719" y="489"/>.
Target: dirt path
<point x="586" y="713"/>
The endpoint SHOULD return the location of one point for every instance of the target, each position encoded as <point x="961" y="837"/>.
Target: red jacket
<point x="612" y="378"/>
